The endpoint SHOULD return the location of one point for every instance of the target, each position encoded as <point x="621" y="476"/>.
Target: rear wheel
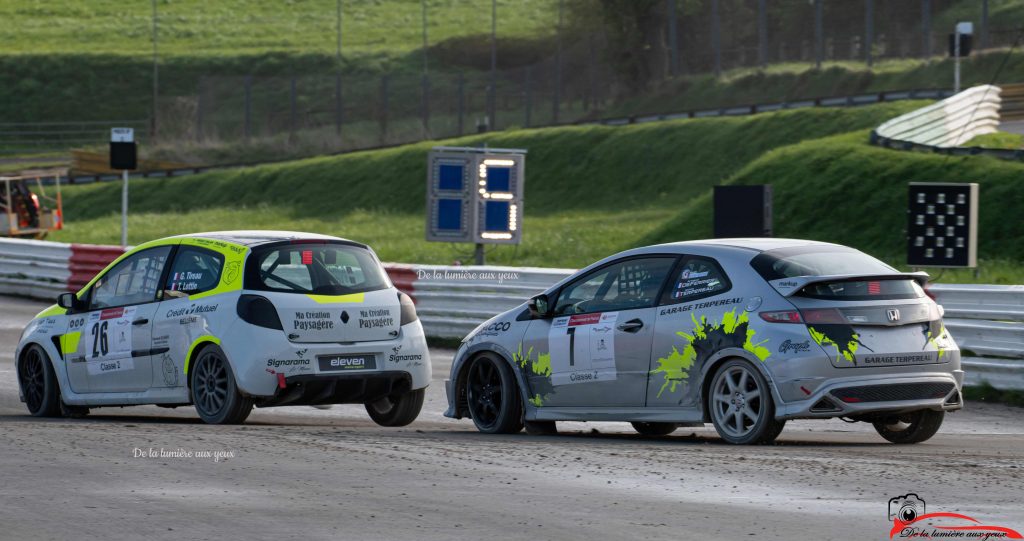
<point x="398" y="409"/>
<point x="39" y="383"/>
<point x="493" y="396"/>
<point x="912" y="427"/>
<point x="741" y="405"/>
<point x="655" y="429"/>
<point x="214" y="391"/>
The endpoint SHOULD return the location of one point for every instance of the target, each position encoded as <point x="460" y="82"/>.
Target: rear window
<point x="816" y="261"/>
<point x="317" y="269"/>
<point x="830" y="260"/>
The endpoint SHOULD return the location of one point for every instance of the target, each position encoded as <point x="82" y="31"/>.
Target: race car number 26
<point x="108" y="336"/>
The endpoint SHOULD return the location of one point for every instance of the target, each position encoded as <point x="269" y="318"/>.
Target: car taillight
<point x="823" y="316"/>
<point x="258" y="311"/>
<point x="928" y="292"/>
<point x="408" y="309"/>
<point x="782" y="316"/>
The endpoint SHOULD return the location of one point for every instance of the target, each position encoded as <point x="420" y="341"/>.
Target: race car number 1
<point x="108" y="336"/>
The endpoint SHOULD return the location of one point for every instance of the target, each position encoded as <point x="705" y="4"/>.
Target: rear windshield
<point x="318" y="269"/>
<point x="816" y="261"/>
<point x="830" y="260"/>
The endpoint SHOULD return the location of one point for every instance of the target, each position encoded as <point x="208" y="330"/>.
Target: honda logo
<point x="893" y="314"/>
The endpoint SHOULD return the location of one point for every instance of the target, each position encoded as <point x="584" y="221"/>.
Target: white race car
<point x="226" y="321"/>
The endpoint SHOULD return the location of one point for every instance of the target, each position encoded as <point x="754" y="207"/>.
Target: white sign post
<point x="123" y="135"/>
<point x="962" y="29"/>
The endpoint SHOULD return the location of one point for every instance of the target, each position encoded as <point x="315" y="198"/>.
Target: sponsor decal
<point x="582" y="348"/>
<point x="910" y="519"/>
<point x="538" y="374"/>
<point x="313" y="320"/>
<point x="76" y="323"/>
<point x="496" y="328"/>
<point x="278" y="363"/>
<point x="704" y="339"/>
<point x="231" y="272"/>
<point x="841" y="337"/>
<point x="699" y="306"/>
<point x="788" y="283"/>
<point x="687" y="274"/>
<point x="344" y="317"/>
<point x="341" y="363"/>
<point x="375" y="318"/>
<point x="169" y="370"/>
<point x="922" y="358"/>
<point x="192" y="309"/>
<point x="396" y="356"/>
<point x="795" y="347"/>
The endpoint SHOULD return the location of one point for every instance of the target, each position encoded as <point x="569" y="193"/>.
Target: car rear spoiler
<point x="789" y="286"/>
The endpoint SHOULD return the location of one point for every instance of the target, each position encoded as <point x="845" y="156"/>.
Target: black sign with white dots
<point x="942" y="225"/>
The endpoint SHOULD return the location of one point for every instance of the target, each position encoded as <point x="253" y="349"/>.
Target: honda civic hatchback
<point x="742" y="333"/>
<point x="227" y="321"/>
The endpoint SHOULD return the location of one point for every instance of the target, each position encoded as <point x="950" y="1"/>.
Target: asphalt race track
<point x="303" y="473"/>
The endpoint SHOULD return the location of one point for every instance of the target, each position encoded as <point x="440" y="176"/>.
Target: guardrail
<point x="987" y="321"/>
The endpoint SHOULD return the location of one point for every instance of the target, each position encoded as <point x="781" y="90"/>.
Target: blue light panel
<point x="450" y="177"/>
<point x="449" y="214"/>
<point x="499" y="179"/>
<point x="496" y="216"/>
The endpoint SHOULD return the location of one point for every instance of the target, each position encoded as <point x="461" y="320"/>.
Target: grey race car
<point x="742" y="333"/>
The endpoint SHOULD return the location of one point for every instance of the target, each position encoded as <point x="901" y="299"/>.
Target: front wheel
<point x="493" y="396"/>
<point x="214" y="391"/>
<point x="741" y="405"/>
<point x="398" y="409"/>
<point x="39" y="383"/>
<point x="912" y="427"/>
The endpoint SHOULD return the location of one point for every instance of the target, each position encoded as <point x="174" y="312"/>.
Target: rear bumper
<point x="314" y="390"/>
<point x="851" y="397"/>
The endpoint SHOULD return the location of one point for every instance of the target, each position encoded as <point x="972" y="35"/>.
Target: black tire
<point x="38" y="383"/>
<point x="214" y="391"/>
<point x="493" y="396"/>
<point x="540" y="428"/>
<point x="741" y="406"/>
<point x="398" y="409"/>
<point x="655" y="429"/>
<point x="912" y="427"/>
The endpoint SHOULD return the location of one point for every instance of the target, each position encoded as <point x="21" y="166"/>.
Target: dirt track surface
<point x="332" y="474"/>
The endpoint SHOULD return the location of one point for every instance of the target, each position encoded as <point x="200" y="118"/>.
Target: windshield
<point x="817" y="261"/>
<point x="320" y="269"/>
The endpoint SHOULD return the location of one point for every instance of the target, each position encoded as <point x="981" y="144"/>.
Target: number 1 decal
<point x="571" y="331"/>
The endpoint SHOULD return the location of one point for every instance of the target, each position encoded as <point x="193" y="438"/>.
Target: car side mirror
<point x="69" y="301"/>
<point x="539" y="306"/>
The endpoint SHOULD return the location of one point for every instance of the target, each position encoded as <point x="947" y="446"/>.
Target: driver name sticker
<point x="582" y="348"/>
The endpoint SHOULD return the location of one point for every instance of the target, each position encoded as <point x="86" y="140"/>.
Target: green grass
<point x="591" y="190"/>
<point x="999" y="139"/>
<point x="247" y="27"/>
<point x="840" y="189"/>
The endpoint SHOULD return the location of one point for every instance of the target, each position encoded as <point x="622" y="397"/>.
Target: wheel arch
<point x="721" y="357"/>
<point x="461" y="406"/>
<point x="197" y="347"/>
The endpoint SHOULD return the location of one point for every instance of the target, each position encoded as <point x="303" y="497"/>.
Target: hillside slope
<point x="590" y="190"/>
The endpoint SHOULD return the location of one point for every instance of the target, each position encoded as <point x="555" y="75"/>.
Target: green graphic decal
<point x="540" y="387"/>
<point x="706" y="338"/>
<point x="933" y="339"/>
<point x="841" y="337"/>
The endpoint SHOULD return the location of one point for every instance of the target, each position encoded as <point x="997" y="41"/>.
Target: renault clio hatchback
<point x="227" y="321"/>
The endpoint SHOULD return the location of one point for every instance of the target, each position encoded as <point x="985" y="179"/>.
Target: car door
<point x="598" y="340"/>
<point x="114" y="352"/>
<point x="180" y="319"/>
<point x="700" y="312"/>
